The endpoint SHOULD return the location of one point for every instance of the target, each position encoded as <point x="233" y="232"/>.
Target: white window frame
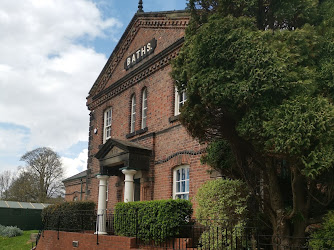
<point x="180" y="99"/>
<point x="133" y="114"/>
<point x="178" y="193"/>
<point x="107" y="124"/>
<point x="144" y="109"/>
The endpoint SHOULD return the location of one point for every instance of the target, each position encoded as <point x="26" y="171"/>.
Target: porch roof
<point x="116" y="155"/>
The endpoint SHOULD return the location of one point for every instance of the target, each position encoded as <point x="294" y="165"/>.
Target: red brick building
<point x="138" y="150"/>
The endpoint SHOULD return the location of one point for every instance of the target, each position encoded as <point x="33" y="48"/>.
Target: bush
<point x="10" y="231"/>
<point x="70" y="216"/>
<point x="152" y="220"/>
<point x="222" y="207"/>
<point x="323" y="237"/>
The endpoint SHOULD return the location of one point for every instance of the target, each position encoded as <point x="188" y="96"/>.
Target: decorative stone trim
<point x="75" y="192"/>
<point x="185" y="152"/>
<point x="138" y="132"/>
<point x="162" y="22"/>
<point x="124" y="83"/>
<point x="173" y="118"/>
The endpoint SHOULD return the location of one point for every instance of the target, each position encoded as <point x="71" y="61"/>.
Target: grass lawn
<point x="17" y="243"/>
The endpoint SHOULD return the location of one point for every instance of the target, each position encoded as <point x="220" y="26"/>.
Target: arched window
<point x="144" y="109"/>
<point x="133" y="114"/>
<point x="181" y="182"/>
<point x="107" y="124"/>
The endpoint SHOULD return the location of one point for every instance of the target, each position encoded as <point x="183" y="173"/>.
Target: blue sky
<point x="51" y="53"/>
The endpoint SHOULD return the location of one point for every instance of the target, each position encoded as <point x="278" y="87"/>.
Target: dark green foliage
<point x="323" y="237"/>
<point x="70" y="216"/>
<point x="303" y="128"/>
<point x="152" y="220"/>
<point x="259" y="77"/>
<point x="283" y="14"/>
<point x="219" y="156"/>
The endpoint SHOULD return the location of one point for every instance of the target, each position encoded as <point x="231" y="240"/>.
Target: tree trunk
<point x="288" y="228"/>
<point x="300" y="207"/>
<point x="281" y="229"/>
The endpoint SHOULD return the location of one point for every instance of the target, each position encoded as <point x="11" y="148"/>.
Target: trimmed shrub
<point x="10" y="231"/>
<point x="323" y="238"/>
<point x="222" y="207"/>
<point x="155" y="220"/>
<point x="70" y="216"/>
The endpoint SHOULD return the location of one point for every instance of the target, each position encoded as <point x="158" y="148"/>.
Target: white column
<point x="102" y="205"/>
<point x="129" y="187"/>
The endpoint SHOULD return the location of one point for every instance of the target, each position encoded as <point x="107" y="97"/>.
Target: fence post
<point x="82" y="227"/>
<point x="97" y="229"/>
<point x="44" y="225"/>
<point x="136" y="218"/>
<point x="58" y="224"/>
<point x="258" y="239"/>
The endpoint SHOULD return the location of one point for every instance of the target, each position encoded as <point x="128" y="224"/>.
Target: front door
<point x="137" y="190"/>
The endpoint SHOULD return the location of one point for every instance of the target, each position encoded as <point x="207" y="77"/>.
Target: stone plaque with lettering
<point x="140" y="54"/>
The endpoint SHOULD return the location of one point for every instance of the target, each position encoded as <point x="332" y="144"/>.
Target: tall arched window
<point x="133" y="114"/>
<point x="144" y="109"/>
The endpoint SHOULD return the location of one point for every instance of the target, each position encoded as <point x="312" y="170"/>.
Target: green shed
<point x="24" y="215"/>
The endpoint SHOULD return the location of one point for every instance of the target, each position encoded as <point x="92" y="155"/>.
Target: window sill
<point x="173" y="118"/>
<point x="138" y="132"/>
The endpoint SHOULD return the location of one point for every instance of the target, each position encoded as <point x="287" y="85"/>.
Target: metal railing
<point x="213" y="236"/>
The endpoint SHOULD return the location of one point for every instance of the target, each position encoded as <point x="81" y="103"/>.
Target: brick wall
<point x="73" y="189"/>
<point x="87" y="241"/>
<point x="170" y="143"/>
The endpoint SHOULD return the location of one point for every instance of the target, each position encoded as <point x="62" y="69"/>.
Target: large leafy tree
<point x="44" y="165"/>
<point x="23" y="188"/>
<point x="259" y="75"/>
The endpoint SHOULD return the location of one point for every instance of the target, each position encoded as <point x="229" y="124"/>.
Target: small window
<point x="133" y="114"/>
<point x="180" y="99"/>
<point x="181" y="183"/>
<point x="107" y="125"/>
<point x="144" y="109"/>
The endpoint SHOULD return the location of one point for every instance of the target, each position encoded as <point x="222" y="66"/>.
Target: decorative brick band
<point x="75" y="192"/>
<point x="156" y="63"/>
<point x="184" y="152"/>
<point x="163" y="23"/>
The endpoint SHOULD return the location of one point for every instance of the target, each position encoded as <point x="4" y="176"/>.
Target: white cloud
<point x="45" y="74"/>
<point x="12" y="141"/>
<point x="76" y="165"/>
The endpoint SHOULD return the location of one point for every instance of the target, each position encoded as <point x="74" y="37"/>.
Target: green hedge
<point x="222" y="208"/>
<point x="70" y="216"/>
<point x="152" y="220"/>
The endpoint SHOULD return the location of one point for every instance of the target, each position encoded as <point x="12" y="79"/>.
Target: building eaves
<point x="77" y="176"/>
